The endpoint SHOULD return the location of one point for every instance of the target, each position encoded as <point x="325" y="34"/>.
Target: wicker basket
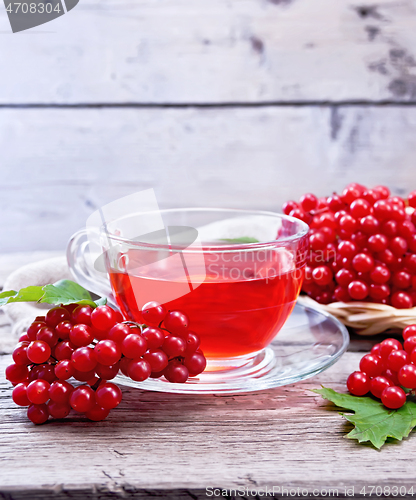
<point x="366" y="318"/>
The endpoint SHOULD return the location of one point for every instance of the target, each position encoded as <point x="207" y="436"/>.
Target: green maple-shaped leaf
<point x="372" y="420"/>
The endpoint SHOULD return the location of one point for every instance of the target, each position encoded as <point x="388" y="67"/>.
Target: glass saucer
<point x="310" y="342"/>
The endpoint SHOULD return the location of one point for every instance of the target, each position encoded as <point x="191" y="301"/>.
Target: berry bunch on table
<point x="362" y="246"/>
<point x="66" y="359"/>
<point x="387" y="369"/>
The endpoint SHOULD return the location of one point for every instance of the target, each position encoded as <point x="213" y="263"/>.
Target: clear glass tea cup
<point x="236" y="274"/>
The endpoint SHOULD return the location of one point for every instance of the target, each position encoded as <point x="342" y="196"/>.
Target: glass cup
<point x="236" y="274"/>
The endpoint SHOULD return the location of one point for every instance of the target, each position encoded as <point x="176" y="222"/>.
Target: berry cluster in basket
<point x="362" y="246"/>
<point x="388" y="366"/>
<point x="92" y="346"/>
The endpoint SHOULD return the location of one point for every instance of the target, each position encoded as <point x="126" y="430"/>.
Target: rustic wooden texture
<point x="218" y="65"/>
<point x="221" y="51"/>
<point x="58" y="165"/>
<point x="175" y="446"/>
<point x="283" y="437"/>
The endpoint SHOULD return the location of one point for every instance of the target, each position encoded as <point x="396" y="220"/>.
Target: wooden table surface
<point x="176" y="446"/>
<point x="226" y="103"/>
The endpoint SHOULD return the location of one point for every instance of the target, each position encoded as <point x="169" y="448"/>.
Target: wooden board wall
<point x="238" y="103"/>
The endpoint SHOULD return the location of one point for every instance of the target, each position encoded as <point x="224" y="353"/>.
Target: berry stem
<point x="97" y="384"/>
<point x="133" y="324"/>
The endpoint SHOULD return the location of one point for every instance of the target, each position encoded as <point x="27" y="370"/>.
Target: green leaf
<point x="372" y="420"/>
<point x="28" y="294"/>
<point x="65" y="292"/>
<point x="243" y="239"/>
<point x="5" y="296"/>
<point x="62" y="292"/>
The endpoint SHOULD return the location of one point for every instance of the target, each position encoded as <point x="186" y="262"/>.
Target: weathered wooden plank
<point x="58" y="165"/>
<point x="221" y="51"/>
<point x="175" y="446"/>
<point x="103" y="493"/>
<point x="281" y="437"/>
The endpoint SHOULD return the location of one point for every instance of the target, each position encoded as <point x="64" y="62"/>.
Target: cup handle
<point x="83" y="273"/>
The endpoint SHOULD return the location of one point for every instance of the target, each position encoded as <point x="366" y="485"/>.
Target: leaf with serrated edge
<point x="65" y="292"/>
<point x="373" y="421"/>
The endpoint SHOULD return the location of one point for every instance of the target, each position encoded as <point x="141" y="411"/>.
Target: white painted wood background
<point x="238" y="103"/>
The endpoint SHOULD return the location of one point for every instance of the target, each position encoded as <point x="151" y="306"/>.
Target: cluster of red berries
<point x="92" y="346"/>
<point x="388" y="366"/>
<point x="362" y="246"/>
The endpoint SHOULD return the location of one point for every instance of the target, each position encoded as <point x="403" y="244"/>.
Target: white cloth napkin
<point x="21" y="314"/>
